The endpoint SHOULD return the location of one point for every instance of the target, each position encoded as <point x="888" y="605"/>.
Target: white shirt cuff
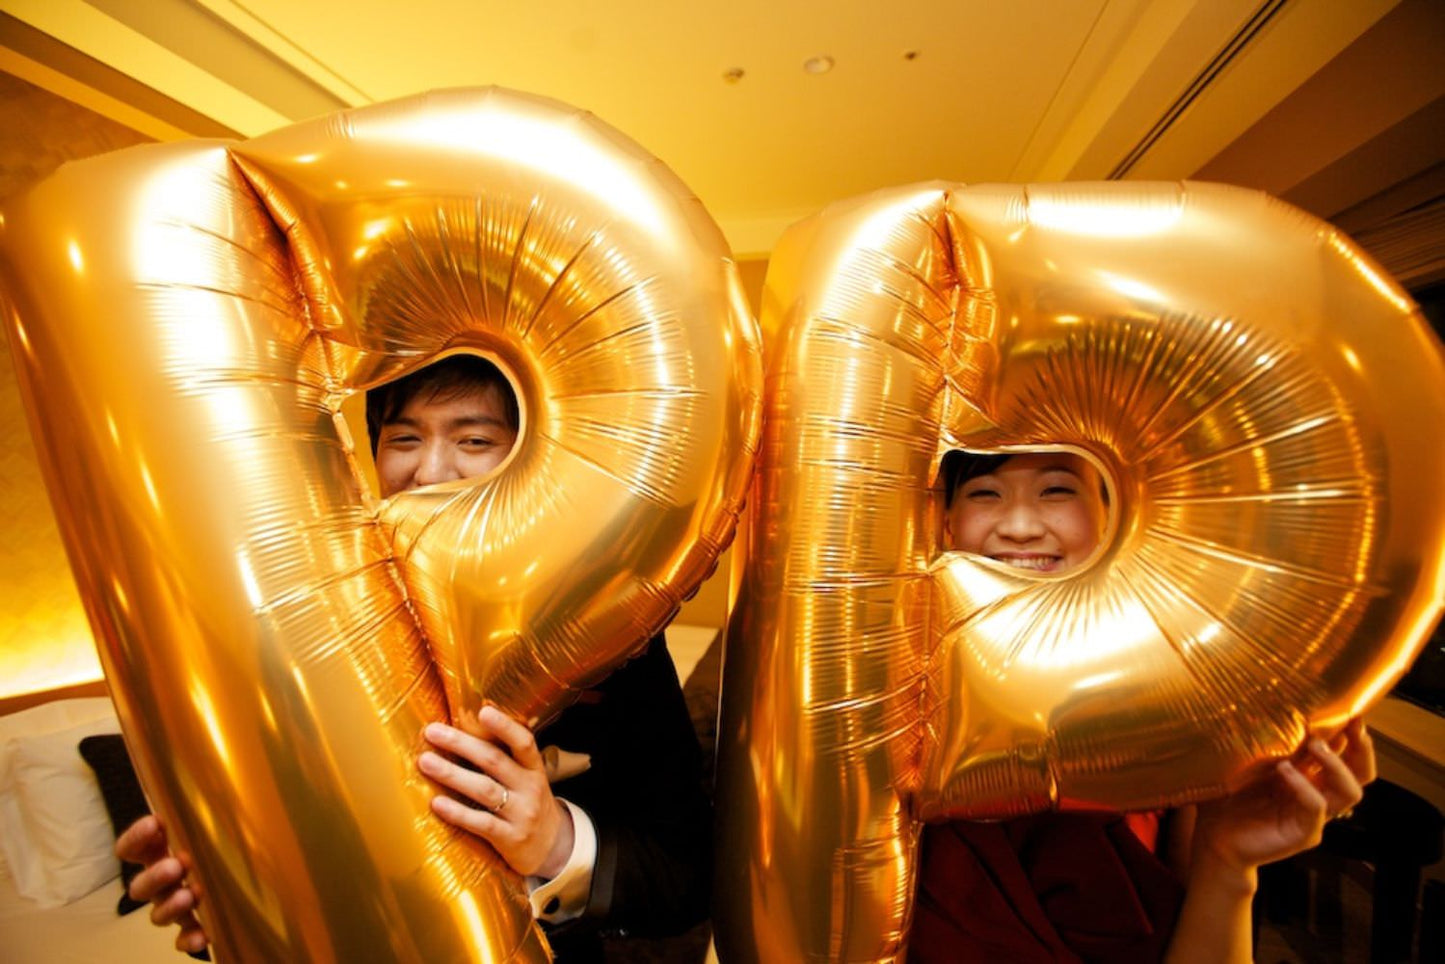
<point x="565" y="896"/>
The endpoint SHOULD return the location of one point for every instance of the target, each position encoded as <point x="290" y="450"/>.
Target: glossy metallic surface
<point x="1267" y="409"/>
<point x="187" y="319"/>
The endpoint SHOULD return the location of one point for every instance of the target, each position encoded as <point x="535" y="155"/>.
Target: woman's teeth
<point x="1038" y="563"/>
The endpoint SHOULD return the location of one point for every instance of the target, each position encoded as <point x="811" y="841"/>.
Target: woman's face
<point x="1041" y="511"/>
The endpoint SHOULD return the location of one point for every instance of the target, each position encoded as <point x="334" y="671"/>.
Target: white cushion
<point x="54" y="831"/>
<point x="49" y="717"/>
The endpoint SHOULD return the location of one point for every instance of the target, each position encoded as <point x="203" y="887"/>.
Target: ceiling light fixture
<point x="732" y="75"/>
<point x="818" y="65"/>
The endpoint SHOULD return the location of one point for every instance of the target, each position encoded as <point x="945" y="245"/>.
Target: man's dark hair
<point x="448" y="378"/>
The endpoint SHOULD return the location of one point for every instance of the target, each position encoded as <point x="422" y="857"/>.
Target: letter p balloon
<point x="1267" y="409"/>
<point x="187" y="318"/>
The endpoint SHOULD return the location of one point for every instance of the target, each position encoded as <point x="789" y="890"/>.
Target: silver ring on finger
<point x="506" y="795"/>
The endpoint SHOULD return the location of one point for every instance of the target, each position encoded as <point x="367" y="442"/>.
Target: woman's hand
<point x="1276" y="817"/>
<point x="1285" y="813"/>
<point x="162" y="882"/>
<point x="514" y="808"/>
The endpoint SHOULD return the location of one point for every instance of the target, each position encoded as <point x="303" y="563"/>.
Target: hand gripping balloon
<point x="188" y="317"/>
<point x="1267" y="408"/>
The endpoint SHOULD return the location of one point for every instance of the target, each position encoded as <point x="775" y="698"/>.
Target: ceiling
<point x="1334" y="104"/>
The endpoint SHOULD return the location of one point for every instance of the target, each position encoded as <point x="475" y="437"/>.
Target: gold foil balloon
<point x="1267" y="407"/>
<point x="187" y="319"/>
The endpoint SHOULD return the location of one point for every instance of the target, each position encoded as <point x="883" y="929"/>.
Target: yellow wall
<point x="44" y="639"/>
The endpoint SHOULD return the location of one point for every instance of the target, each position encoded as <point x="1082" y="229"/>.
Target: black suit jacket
<point x="645" y="793"/>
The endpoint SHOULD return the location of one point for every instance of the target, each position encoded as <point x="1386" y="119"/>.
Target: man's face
<point x="1040" y="511"/>
<point x="460" y="435"/>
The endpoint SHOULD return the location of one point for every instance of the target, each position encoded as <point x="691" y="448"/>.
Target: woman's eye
<point x="981" y="495"/>
<point x="1060" y="492"/>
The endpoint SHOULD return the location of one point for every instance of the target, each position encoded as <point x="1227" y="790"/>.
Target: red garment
<point x="1058" y="888"/>
<point x="1145" y="826"/>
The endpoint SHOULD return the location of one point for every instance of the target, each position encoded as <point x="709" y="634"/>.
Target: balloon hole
<point x="1046" y="510"/>
<point x="458" y="418"/>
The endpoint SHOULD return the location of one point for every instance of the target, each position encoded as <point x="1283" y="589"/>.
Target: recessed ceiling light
<point x="732" y="75"/>
<point x="911" y="54"/>
<point x="818" y="65"/>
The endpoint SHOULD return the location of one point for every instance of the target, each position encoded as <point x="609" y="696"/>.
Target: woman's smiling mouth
<point x="1038" y="562"/>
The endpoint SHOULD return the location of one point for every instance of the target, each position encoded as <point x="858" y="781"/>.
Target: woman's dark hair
<point x="456" y="375"/>
<point x="959" y="466"/>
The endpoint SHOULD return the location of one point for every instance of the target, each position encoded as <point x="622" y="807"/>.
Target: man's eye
<point x="477" y="442"/>
<point x="397" y="440"/>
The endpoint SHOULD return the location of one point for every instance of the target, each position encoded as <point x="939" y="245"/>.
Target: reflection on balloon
<point x="188" y="318"/>
<point x="1265" y="404"/>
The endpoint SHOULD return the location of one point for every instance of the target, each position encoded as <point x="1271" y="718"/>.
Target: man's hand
<point x="514" y="808"/>
<point x="162" y="882"/>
